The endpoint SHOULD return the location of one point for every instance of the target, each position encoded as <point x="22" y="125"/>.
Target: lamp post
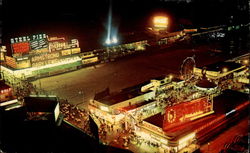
<point x="80" y="93"/>
<point x="208" y="146"/>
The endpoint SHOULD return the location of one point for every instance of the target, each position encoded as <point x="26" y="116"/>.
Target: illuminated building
<point x="221" y="70"/>
<point x="178" y="125"/>
<point x="2" y="52"/>
<point x="184" y="112"/>
<point x="132" y="106"/>
<point x="6" y="92"/>
<point x="40" y="55"/>
<point x="112" y="105"/>
<point x="7" y="99"/>
<point x="184" y="137"/>
<point x="158" y="126"/>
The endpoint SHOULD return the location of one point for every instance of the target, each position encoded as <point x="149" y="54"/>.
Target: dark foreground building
<point x="21" y="134"/>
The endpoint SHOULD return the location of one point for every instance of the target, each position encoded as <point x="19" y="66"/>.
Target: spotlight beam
<point x="109" y="23"/>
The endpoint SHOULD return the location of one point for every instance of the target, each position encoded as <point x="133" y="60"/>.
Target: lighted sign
<point x="66" y="52"/>
<point x="90" y="60"/>
<point x="3" y="49"/>
<point x="10" y="61"/>
<point x="56" y="38"/>
<point x="39" y="36"/>
<point x="104" y="108"/>
<point x="1" y="56"/>
<point x="24" y="44"/>
<point x="37" y="64"/>
<point x="160" y="22"/>
<point x="60" y="45"/>
<point x="74" y="43"/>
<point x="27" y="38"/>
<point x="19" y="39"/>
<point x="22" y="58"/>
<point x="75" y="50"/>
<point x="40" y="51"/>
<point x="53" y="46"/>
<point x="44" y="57"/>
<point x="186" y="111"/>
<point x="21" y="47"/>
<point x="38" y="44"/>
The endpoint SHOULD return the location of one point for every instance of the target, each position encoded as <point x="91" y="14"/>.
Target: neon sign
<point x="186" y="111"/>
<point x="160" y="21"/>
<point x="21" y="47"/>
<point x="58" y="45"/>
<point x="28" y="38"/>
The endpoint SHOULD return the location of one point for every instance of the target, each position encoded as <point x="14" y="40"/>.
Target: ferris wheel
<point x="187" y="68"/>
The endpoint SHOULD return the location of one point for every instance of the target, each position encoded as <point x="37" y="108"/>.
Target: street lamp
<point x="81" y="93"/>
<point x="170" y="77"/>
<point x="245" y="62"/>
<point x="224" y="70"/>
<point x="208" y="146"/>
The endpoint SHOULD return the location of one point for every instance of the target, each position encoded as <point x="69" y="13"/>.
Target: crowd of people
<point x="23" y="89"/>
<point x="105" y="128"/>
<point x="76" y="116"/>
<point x="140" y="141"/>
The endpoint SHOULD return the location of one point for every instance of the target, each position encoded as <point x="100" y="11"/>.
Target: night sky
<point x="86" y="19"/>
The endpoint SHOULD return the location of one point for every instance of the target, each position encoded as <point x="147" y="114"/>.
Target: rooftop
<point x="19" y="136"/>
<point x="156" y="120"/>
<point x="221" y="65"/>
<point x="204" y="83"/>
<point x="136" y="105"/>
<point x="40" y="104"/>
<point x="228" y="100"/>
<point x="125" y="94"/>
<point x="223" y="104"/>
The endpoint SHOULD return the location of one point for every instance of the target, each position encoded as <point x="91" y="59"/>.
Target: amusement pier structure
<point x="176" y="114"/>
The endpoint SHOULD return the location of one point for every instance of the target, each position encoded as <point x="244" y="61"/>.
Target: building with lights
<point x="41" y="55"/>
<point x="176" y="115"/>
<point x="178" y="128"/>
<point x="2" y="53"/>
<point x="7" y="99"/>
<point x="222" y="71"/>
<point x="6" y="92"/>
<point x="135" y="107"/>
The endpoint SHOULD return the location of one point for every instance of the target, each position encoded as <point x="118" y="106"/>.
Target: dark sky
<point x="86" y="18"/>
